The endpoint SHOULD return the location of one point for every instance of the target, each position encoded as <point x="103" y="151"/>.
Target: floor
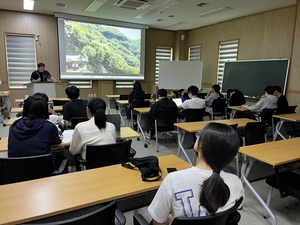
<point x="252" y="212"/>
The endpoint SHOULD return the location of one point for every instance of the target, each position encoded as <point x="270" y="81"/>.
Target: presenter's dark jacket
<point x="45" y="75"/>
<point x="163" y="103"/>
<point x="32" y="138"/>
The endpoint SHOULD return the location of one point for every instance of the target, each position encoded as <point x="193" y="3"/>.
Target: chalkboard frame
<point x="264" y="72"/>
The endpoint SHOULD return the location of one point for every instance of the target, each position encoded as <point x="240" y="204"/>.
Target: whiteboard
<point x="180" y="74"/>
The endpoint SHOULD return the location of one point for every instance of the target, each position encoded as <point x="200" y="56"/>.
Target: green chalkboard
<point x="252" y="76"/>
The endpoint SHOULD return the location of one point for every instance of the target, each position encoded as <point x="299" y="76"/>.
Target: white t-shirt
<point x="180" y="193"/>
<point x="87" y="133"/>
<point x="194" y="103"/>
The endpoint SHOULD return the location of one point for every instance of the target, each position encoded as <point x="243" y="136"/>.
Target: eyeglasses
<point x="198" y="133"/>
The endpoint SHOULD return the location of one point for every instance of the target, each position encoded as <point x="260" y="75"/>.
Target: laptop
<point x="177" y="101"/>
<point x="115" y="119"/>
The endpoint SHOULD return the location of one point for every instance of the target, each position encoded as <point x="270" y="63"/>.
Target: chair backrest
<point x="107" y="155"/>
<point x="201" y="95"/>
<point x="218" y="107"/>
<point x="148" y="96"/>
<point x="140" y="104"/>
<point x="98" y="214"/>
<point x="287" y="110"/>
<point x="267" y="116"/>
<point x="115" y="119"/>
<point x="192" y="115"/>
<point x="19" y="169"/>
<point x="76" y="120"/>
<point x="216" y="219"/>
<point x="59" y="102"/>
<point x="165" y="119"/>
<point x="255" y="133"/>
<point x="123" y="97"/>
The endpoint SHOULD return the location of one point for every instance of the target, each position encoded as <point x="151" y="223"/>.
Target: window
<point x="194" y="53"/>
<point x="162" y="53"/>
<point x="21" y="59"/>
<point x="124" y="84"/>
<point x="80" y="83"/>
<point x="227" y="52"/>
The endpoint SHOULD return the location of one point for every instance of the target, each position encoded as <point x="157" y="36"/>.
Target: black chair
<point x="286" y="180"/>
<point x="137" y="104"/>
<point x="123" y="97"/>
<point x="106" y="155"/>
<point x="267" y="116"/>
<point x="219" y="108"/>
<point x="228" y="217"/>
<point x="192" y="115"/>
<point x="98" y="214"/>
<point x="20" y="169"/>
<point x="76" y="120"/>
<point x="148" y="96"/>
<point x="201" y="95"/>
<point x="164" y="121"/>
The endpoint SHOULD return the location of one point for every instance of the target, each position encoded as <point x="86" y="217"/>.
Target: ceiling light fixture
<point x="28" y="4"/>
<point x="96" y="4"/>
<point x="213" y="11"/>
<point x="174" y="24"/>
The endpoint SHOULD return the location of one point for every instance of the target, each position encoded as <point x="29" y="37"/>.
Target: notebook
<point x="177" y="101"/>
<point x="115" y="119"/>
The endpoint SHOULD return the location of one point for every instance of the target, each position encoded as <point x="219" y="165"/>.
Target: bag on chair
<point x="148" y="166"/>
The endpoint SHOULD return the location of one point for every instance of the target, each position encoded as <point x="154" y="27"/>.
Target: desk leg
<point x="277" y="130"/>
<point x="108" y="105"/>
<point x="138" y="120"/>
<point x="246" y="167"/>
<point x="120" y="113"/>
<point x="232" y="114"/>
<point x="180" y="138"/>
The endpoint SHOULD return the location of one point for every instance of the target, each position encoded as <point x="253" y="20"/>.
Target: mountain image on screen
<point x="93" y="48"/>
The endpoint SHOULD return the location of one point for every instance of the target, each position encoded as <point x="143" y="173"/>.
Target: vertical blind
<point x="195" y="53"/>
<point x="162" y="53"/>
<point x="21" y="59"/>
<point x="227" y="52"/>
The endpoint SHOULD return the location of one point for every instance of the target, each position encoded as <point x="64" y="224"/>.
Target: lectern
<point x="47" y="88"/>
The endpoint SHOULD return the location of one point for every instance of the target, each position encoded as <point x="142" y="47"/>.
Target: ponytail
<point x="100" y="118"/>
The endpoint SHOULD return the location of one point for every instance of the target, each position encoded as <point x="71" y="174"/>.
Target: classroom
<point x="271" y="34"/>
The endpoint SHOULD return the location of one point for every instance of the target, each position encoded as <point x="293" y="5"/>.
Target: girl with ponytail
<point x="204" y="189"/>
<point x="95" y="131"/>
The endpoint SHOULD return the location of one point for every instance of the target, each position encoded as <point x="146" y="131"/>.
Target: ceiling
<point x="162" y="14"/>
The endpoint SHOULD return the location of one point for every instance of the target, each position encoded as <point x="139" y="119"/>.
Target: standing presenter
<point x="41" y="75"/>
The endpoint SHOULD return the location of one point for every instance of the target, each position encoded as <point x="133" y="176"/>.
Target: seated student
<point x="193" y="102"/>
<point x="162" y="103"/>
<point x="212" y="95"/>
<point x="95" y="131"/>
<point x="32" y="134"/>
<point x="75" y="108"/>
<point x="282" y="102"/>
<point x="204" y="189"/>
<point x="236" y="97"/>
<point x="268" y="100"/>
<point x="53" y="117"/>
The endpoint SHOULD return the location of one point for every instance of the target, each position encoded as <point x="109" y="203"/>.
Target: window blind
<point x="195" y="53"/>
<point x="161" y="53"/>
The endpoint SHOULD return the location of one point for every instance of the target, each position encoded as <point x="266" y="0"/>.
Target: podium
<point x="47" y="88"/>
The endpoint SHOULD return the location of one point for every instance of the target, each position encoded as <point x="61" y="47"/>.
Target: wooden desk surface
<point x="41" y="198"/>
<point x="113" y="96"/>
<point x="274" y="153"/>
<point x="3" y="144"/>
<point x="238" y="108"/>
<point x="143" y="110"/>
<point x="195" y="126"/>
<point x="293" y="117"/>
<point x="20" y="110"/>
<point x="124" y="102"/>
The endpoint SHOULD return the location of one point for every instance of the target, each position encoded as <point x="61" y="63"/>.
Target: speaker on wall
<point x="182" y="37"/>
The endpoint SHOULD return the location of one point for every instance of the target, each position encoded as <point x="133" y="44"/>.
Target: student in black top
<point x="162" y="103"/>
<point x="282" y="102"/>
<point x="75" y="108"/>
<point x="236" y="97"/>
<point x="137" y="94"/>
<point x="41" y="75"/>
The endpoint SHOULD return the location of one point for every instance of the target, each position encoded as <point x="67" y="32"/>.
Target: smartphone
<point x="170" y="170"/>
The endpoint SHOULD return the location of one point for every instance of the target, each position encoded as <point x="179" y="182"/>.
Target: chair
<point x="123" y="97"/>
<point x="137" y="104"/>
<point x="20" y="169"/>
<point x="76" y="120"/>
<point x="219" y="108"/>
<point x="98" y="214"/>
<point x="201" y="95"/>
<point x="148" y="96"/>
<point x="192" y="115"/>
<point x="287" y="181"/>
<point x="267" y="116"/>
<point x="164" y="121"/>
<point x="106" y="155"/>
<point x="223" y="218"/>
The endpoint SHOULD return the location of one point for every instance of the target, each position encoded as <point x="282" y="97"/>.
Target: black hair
<point x="270" y="90"/>
<point x="228" y="92"/>
<point x="43" y="95"/>
<point x="217" y="89"/>
<point x="220" y="144"/>
<point x="277" y="88"/>
<point x="193" y="90"/>
<point x="41" y="65"/>
<point x="97" y="107"/>
<point x="72" y="92"/>
<point x="137" y="88"/>
<point x="35" y="107"/>
<point x="162" y="92"/>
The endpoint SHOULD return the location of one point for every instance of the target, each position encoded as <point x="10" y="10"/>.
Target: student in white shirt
<point x="204" y="189"/>
<point x="194" y="102"/>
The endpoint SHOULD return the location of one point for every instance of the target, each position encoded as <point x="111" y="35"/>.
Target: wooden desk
<point x="193" y="127"/>
<point x="291" y="117"/>
<point x="36" y="199"/>
<point x="126" y="133"/>
<point x="236" y="108"/>
<point x="273" y="153"/>
<point x="20" y="110"/>
<point x="141" y="111"/>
